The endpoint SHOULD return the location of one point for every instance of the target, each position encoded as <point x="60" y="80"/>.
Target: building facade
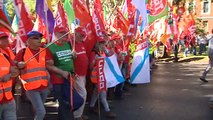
<point x="204" y="11"/>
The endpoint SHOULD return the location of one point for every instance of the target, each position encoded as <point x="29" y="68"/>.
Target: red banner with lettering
<point x="101" y="76"/>
<point x="98" y="23"/>
<point x="98" y="6"/>
<point x="61" y="19"/>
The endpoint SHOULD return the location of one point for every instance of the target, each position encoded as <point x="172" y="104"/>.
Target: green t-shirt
<point x="62" y="56"/>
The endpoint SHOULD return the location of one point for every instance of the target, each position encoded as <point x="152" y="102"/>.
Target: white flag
<point x="112" y="71"/>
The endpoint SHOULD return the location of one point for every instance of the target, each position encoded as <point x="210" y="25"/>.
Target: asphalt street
<point x="175" y="93"/>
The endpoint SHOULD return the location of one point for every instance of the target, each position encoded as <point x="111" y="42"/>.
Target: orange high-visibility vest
<point x="34" y="75"/>
<point x="94" y="72"/>
<point x="5" y="87"/>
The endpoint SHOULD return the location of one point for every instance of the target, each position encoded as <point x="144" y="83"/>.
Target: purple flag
<point x="46" y="14"/>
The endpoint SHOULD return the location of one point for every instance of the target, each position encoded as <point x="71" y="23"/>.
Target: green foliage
<point x="30" y="6"/>
<point x="199" y="27"/>
<point x="191" y="6"/>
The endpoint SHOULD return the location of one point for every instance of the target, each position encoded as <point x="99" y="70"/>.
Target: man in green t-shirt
<point x="60" y="64"/>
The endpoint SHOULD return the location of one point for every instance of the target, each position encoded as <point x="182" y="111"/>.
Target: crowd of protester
<point x="58" y="68"/>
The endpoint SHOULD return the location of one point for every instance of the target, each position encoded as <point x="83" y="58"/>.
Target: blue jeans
<point x="103" y="98"/>
<point x="64" y="112"/>
<point x="8" y="111"/>
<point x="37" y="98"/>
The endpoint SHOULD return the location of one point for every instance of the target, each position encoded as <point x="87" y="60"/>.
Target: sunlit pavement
<point x="175" y="93"/>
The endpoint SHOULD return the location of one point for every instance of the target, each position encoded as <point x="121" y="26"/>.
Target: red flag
<point x="25" y="24"/>
<point x="131" y="17"/>
<point x="98" y="23"/>
<point x="99" y="9"/>
<point x="82" y="15"/>
<point x="81" y="12"/>
<point x="61" y="20"/>
<point x="4" y="23"/>
<point x="101" y="76"/>
<point x="90" y="39"/>
<point x="121" y="22"/>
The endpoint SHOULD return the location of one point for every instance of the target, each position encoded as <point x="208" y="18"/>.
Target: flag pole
<point x="46" y="47"/>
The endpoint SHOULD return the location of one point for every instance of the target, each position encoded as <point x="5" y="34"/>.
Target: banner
<point x="140" y="70"/>
<point x="112" y="71"/>
<point x="101" y="75"/>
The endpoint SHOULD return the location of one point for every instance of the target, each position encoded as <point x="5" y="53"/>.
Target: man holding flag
<point x="60" y="65"/>
<point x="34" y="75"/>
